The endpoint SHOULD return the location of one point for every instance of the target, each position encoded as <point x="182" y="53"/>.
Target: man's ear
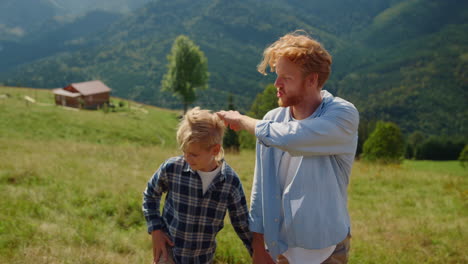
<point x="312" y="79"/>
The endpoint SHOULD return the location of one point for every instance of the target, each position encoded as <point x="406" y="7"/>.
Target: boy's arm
<point x="156" y="186"/>
<point x="239" y="215"/>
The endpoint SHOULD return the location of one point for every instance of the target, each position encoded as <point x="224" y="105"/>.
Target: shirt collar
<point x="223" y="172"/>
<point x="326" y="98"/>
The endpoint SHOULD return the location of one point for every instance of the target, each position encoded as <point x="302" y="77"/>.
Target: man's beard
<point x="294" y="99"/>
<point x="290" y="101"/>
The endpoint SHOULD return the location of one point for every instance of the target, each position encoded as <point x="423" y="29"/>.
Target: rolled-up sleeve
<point x="335" y="132"/>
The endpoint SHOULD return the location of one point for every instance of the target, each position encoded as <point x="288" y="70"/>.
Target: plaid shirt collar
<point x="223" y="172"/>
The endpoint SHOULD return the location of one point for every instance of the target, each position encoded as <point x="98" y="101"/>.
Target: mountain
<point x="130" y="55"/>
<point x="411" y="66"/>
<point x="395" y="60"/>
<point x="19" y="18"/>
<point x="56" y="36"/>
<point x="84" y="6"/>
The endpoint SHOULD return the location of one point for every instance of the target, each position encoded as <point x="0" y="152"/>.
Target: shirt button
<point x="276" y="219"/>
<point x="273" y="244"/>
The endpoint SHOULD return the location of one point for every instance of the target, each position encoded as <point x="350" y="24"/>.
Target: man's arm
<point x="334" y="132"/>
<point x="256" y="199"/>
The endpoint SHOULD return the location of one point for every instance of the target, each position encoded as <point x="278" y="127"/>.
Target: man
<point x="305" y="151"/>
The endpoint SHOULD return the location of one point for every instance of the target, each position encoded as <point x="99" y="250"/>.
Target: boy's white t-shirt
<point x="207" y="177"/>
<point x="287" y="170"/>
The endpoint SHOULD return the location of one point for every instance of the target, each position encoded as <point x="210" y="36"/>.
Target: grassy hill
<point x="72" y="181"/>
<point x="73" y="195"/>
<point x="132" y="123"/>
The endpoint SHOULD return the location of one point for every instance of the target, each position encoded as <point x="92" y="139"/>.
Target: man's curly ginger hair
<point x="302" y="50"/>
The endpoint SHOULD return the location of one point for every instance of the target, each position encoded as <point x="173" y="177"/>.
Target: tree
<point x="413" y="145"/>
<point x="231" y="139"/>
<point x="264" y="102"/>
<point x="187" y="70"/>
<point x="364" y="130"/>
<point x="385" y="144"/>
<point x="463" y="158"/>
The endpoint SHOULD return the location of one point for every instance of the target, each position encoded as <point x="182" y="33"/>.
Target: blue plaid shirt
<point x="190" y="218"/>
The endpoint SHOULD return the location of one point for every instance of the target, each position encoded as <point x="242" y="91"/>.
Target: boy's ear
<point x="216" y="149"/>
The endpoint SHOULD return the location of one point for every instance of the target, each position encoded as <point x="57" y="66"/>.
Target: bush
<point x="438" y="148"/>
<point x="385" y="144"/>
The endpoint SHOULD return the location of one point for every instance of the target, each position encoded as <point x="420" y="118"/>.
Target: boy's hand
<point x="160" y="240"/>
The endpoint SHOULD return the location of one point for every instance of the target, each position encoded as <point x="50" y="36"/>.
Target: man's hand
<point x="160" y="242"/>
<point x="237" y="122"/>
<point x="260" y="255"/>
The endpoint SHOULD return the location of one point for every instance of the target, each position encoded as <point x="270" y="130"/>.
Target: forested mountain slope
<point x="401" y="61"/>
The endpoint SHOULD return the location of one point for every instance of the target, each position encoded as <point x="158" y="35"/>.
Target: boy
<point x="200" y="187"/>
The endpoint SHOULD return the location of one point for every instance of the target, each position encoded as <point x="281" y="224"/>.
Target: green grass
<point x="77" y="198"/>
<point x="413" y="213"/>
<point x="134" y="123"/>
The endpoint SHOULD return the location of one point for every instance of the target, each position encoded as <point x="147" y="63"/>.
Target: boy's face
<point x="201" y="158"/>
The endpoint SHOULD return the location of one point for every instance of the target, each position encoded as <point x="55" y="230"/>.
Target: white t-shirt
<point x="287" y="170"/>
<point x="207" y="177"/>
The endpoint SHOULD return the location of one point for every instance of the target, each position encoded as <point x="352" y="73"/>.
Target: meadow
<point x="71" y="186"/>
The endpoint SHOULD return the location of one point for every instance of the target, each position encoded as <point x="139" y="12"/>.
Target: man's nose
<point x="278" y="83"/>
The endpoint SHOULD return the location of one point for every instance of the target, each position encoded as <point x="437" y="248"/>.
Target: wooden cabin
<point x="87" y="95"/>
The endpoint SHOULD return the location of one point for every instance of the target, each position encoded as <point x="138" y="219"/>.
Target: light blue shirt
<point x="315" y="203"/>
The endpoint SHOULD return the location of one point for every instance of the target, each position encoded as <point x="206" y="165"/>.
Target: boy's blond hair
<point x="302" y="50"/>
<point x="201" y="126"/>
